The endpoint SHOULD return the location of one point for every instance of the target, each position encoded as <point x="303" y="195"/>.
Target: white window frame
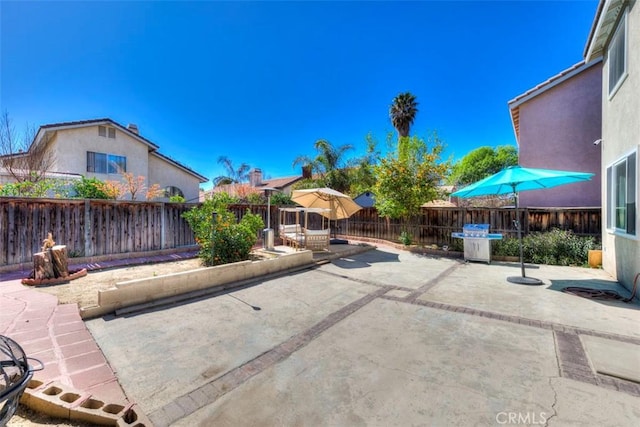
<point x="621" y="31"/>
<point x="110" y="163"/>
<point x="611" y="192"/>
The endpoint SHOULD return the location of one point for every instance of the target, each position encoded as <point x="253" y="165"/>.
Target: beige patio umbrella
<point x="341" y="206"/>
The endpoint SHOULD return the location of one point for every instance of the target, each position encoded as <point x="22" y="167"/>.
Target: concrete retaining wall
<point x="141" y="291"/>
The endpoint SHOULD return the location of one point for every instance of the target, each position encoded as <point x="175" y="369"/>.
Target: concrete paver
<point x="385" y="337"/>
<point x="380" y="338"/>
<point x="176" y="356"/>
<point x="615" y="358"/>
<point x="485" y="287"/>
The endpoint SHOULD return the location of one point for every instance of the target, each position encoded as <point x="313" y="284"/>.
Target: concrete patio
<point x="385" y="337"/>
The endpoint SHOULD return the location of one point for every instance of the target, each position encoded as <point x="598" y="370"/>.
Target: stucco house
<point x="615" y="37"/>
<point x="257" y="185"/>
<point x="556" y="124"/>
<point x="102" y="147"/>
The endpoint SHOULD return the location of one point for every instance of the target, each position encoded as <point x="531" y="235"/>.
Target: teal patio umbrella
<point x="515" y="179"/>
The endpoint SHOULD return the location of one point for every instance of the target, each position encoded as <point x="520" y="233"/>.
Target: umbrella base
<point x="520" y="280"/>
<point x="335" y="241"/>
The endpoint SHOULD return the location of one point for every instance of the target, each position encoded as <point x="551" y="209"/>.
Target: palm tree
<point x="233" y="176"/>
<point x="328" y="163"/>
<point x="402" y="113"/>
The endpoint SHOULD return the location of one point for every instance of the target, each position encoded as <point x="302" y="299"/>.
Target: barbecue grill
<point x="477" y="242"/>
<point x="15" y="374"/>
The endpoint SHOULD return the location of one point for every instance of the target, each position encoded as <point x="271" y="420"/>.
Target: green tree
<point x="481" y="163"/>
<point x="278" y="199"/>
<point x="234" y="175"/>
<point x="361" y="170"/>
<point x="329" y="163"/>
<point x="402" y="113"/>
<point x="404" y="184"/>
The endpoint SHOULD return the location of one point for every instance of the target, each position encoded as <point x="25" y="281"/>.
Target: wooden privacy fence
<point x="107" y="227"/>
<point x="435" y="225"/>
<point x="90" y="227"/>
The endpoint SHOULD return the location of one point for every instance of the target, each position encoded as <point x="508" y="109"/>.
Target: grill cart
<point x="477" y="242"/>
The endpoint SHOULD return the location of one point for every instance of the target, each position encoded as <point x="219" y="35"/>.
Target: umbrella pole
<point x="521" y="280"/>
<point x="519" y="236"/>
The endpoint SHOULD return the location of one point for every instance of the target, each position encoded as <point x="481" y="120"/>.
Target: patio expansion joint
<point x="542" y="324"/>
<point x="431" y="283"/>
<point x="364" y="281"/>
<point x="192" y="401"/>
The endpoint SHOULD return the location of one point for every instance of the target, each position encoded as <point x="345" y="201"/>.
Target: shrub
<point x="405" y="238"/>
<point x="28" y="188"/>
<point x="176" y="199"/>
<point x="556" y="247"/>
<point x="90" y="188"/>
<point x="256" y="199"/>
<point x="278" y="198"/>
<point x="227" y="240"/>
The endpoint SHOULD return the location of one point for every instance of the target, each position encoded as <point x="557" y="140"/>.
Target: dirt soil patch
<point x="84" y="291"/>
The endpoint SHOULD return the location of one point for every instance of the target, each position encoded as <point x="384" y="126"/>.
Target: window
<point x="622" y="181"/>
<point x="105" y="163"/>
<point x="104" y="131"/>
<point x="617" y="56"/>
<point x="171" y="191"/>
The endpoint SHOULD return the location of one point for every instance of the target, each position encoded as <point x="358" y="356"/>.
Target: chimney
<point x="306" y="172"/>
<point x="255" y="177"/>
<point x="133" y="128"/>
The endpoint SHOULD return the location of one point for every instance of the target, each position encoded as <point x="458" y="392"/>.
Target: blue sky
<point x="260" y="82"/>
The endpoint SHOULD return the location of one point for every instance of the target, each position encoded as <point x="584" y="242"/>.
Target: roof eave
<point x="603" y="25"/>
<point x="54" y="127"/>
<point x="179" y="165"/>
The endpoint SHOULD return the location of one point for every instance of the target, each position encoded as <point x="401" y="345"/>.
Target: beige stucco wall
<point x="620" y="134"/>
<point x="71" y="145"/>
<point x="164" y="173"/>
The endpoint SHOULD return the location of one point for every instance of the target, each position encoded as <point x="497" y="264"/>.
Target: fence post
<point x="162" y="226"/>
<point x="87" y="228"/>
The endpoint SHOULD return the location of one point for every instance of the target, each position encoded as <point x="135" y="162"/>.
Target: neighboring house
<point x="102" y="148"/>
<point x="366" y="199"/>
<point x="556" y="124"/>
<point x="615" y="36"/>
<point x="257" y="185"/>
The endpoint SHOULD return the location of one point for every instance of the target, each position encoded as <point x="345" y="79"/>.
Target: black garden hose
<point x="602" y="294"/>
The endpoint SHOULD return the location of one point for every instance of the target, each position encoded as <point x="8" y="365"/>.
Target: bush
<point x="405" y="238"/>
<point x="556" y="247"/>
<point x="90" y="188"/>
<point x="227" y="240"/>
<point x="177" y="199"/>
<point x="278" y="198"/>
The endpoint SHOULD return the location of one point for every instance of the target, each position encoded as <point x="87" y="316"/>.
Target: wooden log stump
<point x="42" y="266"/>
<point x="60" y="261"/>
